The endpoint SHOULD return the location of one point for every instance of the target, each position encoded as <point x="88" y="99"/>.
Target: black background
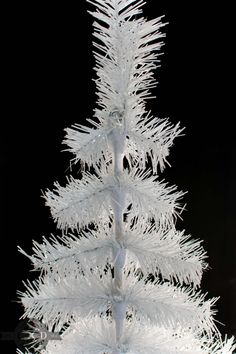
<point x="48" y="86"/>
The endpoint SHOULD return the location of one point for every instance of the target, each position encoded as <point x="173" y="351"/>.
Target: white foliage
<point x="124" y="219"/>
<point x="130" y="48"/>
<point x="69" y="254"/>
<point x="125" y="76"/>
<point x="87" y="200"/>
<point x="80" y="202"/>
<point x="88" y="144"/>
<point x="97" y="336"/>
<point x="170" y="253"/>
<point x="149" y="136"/>
<point x="57" y="300"/>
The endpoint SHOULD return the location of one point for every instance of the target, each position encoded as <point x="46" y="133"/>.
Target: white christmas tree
<point x="121" y="278"/>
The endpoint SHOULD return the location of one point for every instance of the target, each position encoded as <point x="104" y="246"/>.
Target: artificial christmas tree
<point x="125" y="280"/>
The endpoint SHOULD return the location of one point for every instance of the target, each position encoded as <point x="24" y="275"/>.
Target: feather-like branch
<point x="89" y="145"/>
<point x="80" y="202"/>
<point x="148" y="137"/>
<point x="70" y="254"/>
<point x="56" y="300"/>
<point x="171" y="253"/>
<point x="86" y="200"/>
<point x="126" y="71"/>
<point x="151" y="138"/>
